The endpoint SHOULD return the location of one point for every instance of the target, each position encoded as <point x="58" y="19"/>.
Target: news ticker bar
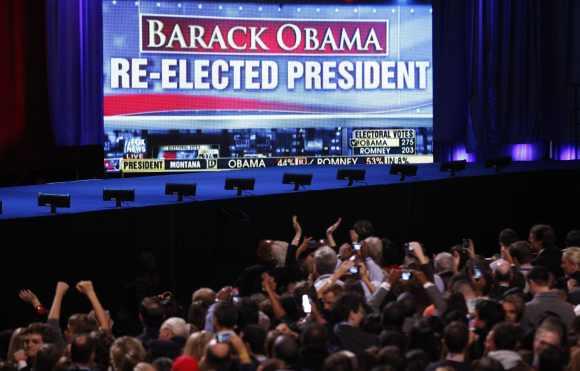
<point x="162" y="166"/>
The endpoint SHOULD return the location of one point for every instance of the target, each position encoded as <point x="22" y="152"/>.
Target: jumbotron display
<point x="191" y="86"/>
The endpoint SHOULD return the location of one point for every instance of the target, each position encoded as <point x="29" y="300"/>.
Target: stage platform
<point x="156" y="243"/>
<point x="86" y="195"/>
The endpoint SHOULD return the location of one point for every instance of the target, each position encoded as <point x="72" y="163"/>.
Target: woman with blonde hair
<point x="126" y="352"/>
<point x="571" y="260"/>
<point x="197" y="343"/>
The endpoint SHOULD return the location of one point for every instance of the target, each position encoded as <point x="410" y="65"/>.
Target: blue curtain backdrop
<point x="503" y="78"/>
<point x="503" y="73"/>
<point x="75" y="71"/>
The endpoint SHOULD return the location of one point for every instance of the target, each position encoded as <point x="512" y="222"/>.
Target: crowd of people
<point x="367" y="304"/>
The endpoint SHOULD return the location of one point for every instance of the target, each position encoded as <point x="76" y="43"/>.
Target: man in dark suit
<point x="349" y="312"/>
<point x="543" y="241"/>
<point x="546" y="302"/>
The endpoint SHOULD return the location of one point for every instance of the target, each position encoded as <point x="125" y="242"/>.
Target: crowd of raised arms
<point x="314" y="305"/>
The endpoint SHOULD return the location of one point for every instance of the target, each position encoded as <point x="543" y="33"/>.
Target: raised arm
<point x="383" y="290"/>
<point x="471" y="248"/>
<point x="241" y="349"/>
<point x="423" y="259"/>
<point x="86" y="288"/>
<point x="375" y="272"/>
<point x="303" y="246"/>
<point x="297" y="231"/>
<point x="432" y="292"/>
<point x="291" y="261"/>
<point x="28" y="296"/>
<point x="55" y="308"/>
<point x="365" y="278"/>
<point x="339" y="272"/>
<point x="330" y="233"/>
<point x="505" y="253"/>
<point x="269" y="285"/>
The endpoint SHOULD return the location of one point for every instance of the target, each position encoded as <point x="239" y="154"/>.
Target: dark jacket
<point x="544" y="304"/>
<point x="353" y="338"/>
<point x="551" y="259"/>
<point x="166" y="348"/>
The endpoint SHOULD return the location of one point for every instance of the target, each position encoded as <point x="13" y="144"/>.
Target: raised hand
<point x="418" y="251"/>
<point x="456" y="261"/>
<point x="470" y="248"/>
<point x="225" y="293"/>
<point x="62" y="287"/>
<point x="364" y="272"/>
<point x="268" y="283"/>
<point x="29" y="297"/>
<point x="334" y="227"/>
<point x="394" y="276"/>
<point x="505" y="253"/>
<point x="296" y="225"/>
<point x="344" y="267"/>
<point x="85" y="287"/>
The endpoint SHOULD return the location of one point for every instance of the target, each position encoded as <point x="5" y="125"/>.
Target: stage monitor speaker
<point x="452" y="167"/>
<point x="403" y="170"/>
<point x="181" y="189"/>
<point x="240" y="184"/>
<point x="297" y="179"/>
<point x="353" y="175"/>
<point x="54" y="201"/>
<point x="119" y="195"/>
<point x="498" y="163"/>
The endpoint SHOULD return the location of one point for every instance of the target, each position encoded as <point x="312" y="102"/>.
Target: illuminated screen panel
<point x="192" y="86"/>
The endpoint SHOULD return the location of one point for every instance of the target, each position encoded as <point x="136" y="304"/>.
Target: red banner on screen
<point x="202" y="35"/>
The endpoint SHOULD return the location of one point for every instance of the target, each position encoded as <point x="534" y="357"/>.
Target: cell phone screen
<point x="405" y="276"/>
<point x="223" y="337"/>
<point x="306" y="306"/>
<point x="356" y="246"/>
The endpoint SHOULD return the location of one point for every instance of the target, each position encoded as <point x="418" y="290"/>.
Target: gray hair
<point x="279" y="250"/>
<point x="177" y="326"/>
<point x="325" y="260"/>
<point x="443" y="262"/>
<point x="572" y="254"/>
<point x="375" y="249"/>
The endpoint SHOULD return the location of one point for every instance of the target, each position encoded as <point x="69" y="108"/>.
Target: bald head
<point x="172" y="327"/>
<point x="205" y="295"/>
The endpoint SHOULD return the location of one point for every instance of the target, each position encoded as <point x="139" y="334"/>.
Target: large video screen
<point x="208" y="85"/>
